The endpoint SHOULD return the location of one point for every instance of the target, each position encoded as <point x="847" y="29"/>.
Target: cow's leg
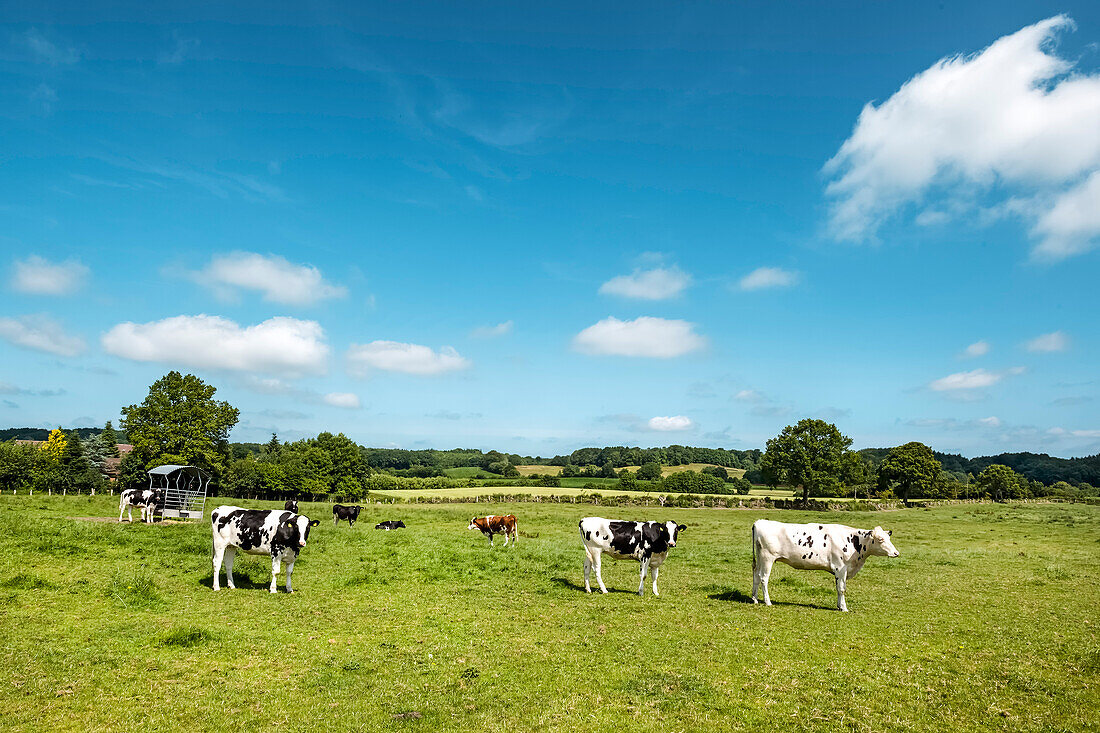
<point x="121" y="510"/>
<point x="597" y="561"/>
<point x="841" y="583"/>
<point x="335" y="521"/>
<point x="490" y="536"/>
<point x="645" y="572"/>
<point x="289" y="570"/>
<point x="275" y="565"/>
<point x="587" y="569"/>
<point x="217" y="561"/>
<point x="763" y="572"/>
<point x="230" y="556"/>
<point x="654" y="571"/>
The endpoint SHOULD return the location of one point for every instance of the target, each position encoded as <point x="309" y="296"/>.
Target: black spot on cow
<point x="855" y="542"/>
<point x="821" y="526"/>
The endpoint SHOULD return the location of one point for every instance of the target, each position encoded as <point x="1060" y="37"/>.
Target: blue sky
<point x="536" y="228"/>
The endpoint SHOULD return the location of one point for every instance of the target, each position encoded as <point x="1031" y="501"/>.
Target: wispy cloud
<point x="488" y="332"/>
<point x="40" y="333"/>
<point x="394" y="356"/>
<point x="974" y="379"/>
<point x="659" y="283"/>
<point x="45" y="51"/>
<point x="346" y="400"/>
<point x="768" y="277"/>
<point x="1048" y="343"/>
<point x="976" y="349"/>
<point x="37" y="276"/>
<point x="11" y="389"/>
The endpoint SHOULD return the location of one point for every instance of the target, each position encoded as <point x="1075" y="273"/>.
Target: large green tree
<point x="181" y="420"/>
<point x="1001" y="482"/>
<point x="809" y="454"/>
<point x="910" y="467"/>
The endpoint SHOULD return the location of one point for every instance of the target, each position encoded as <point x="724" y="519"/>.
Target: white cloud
<point x="488" y="332"/>
<point x="280" y="281"/>
<point x="393" y="356"/>
<point x="1048" y="342"/>
<point x="974" y="379"/>
<point x="39" y="276"/>
<point x="660" y="283"/>
<point x="348" y="400"/>
<point x="768" y="277"/>
<point x="40" y="333"/>
<point x="282" y="346"/>
<point x="976" y="349"/>
<point x="1013" y="116"/>
<point x="990" y="422"/>
<point x="645" y="336"/>
<point x="749" y="395"/>
<point x="669" y="424"/>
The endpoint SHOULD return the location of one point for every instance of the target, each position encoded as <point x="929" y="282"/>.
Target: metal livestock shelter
<point x="184" y="489"/>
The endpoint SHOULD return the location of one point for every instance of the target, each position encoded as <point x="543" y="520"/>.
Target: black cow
<point x="390" y="524"/>
<point x="291" y="505"/>
<point x="350" y="513"/>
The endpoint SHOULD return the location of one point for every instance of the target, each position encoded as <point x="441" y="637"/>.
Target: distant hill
<point x="44" y="433"/>
<point x="1035" y="466"/>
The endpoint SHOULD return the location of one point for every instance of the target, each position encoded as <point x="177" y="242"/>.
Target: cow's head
<point x="473" y="523"/>
<point x="673" y="529"/>
<point x="881" y="544"/>
<point x="294" y="530"/>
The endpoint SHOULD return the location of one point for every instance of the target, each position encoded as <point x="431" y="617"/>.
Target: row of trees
<point x="815" y="457"/>
<point x="63" y="463"/>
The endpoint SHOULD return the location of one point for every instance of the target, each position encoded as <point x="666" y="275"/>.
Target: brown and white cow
<point x="496" y="524"/>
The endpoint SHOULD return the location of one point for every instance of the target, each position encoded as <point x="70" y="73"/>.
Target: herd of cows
<point x="281" y="535"/>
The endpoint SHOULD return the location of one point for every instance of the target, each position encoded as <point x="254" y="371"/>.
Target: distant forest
<point x="1035" y="466"/>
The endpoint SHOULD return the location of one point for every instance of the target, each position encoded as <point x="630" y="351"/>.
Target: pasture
<point x="986" y="622"/>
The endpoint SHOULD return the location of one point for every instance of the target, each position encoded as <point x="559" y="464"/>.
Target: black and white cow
<point x="837" y="548"/>
<point x="280" y="534"/>
<point x="291" y="505"/>
<point x="390" y="524"/>
<point x="147" y="500"/>
<point x="646" y="542"/>
<point x="350" y="513"/>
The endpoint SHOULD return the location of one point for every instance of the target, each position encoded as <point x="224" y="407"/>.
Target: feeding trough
<point x="184" y="490"/>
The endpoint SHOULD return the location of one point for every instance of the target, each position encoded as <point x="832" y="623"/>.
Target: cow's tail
<point x="754" y="547"/>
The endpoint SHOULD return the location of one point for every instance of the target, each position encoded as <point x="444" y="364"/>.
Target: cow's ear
<point x="315" y="522"/>
<point x="890" y="533"/>
<point x="681" y="527"/>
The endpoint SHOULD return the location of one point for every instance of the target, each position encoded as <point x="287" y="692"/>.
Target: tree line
<point x="181" y="422"/>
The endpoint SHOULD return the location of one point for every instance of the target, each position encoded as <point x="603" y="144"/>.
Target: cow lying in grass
<point x="646" y="542"/>
<point x="496" y="524"/>
<point x="291" y="505"/>
<point x="390" y="524"/>
<point x="280" y="534"/>
<point x="834" y="547"/>
<point x="147" y="500"/>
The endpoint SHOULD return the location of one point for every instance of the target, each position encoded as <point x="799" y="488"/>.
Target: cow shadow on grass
<point x="736" y="596"/>
<point x="241" y="580"/>
<point x="566" y="583"/>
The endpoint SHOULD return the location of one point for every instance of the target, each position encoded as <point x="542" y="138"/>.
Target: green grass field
<point x="988" y="621"/>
